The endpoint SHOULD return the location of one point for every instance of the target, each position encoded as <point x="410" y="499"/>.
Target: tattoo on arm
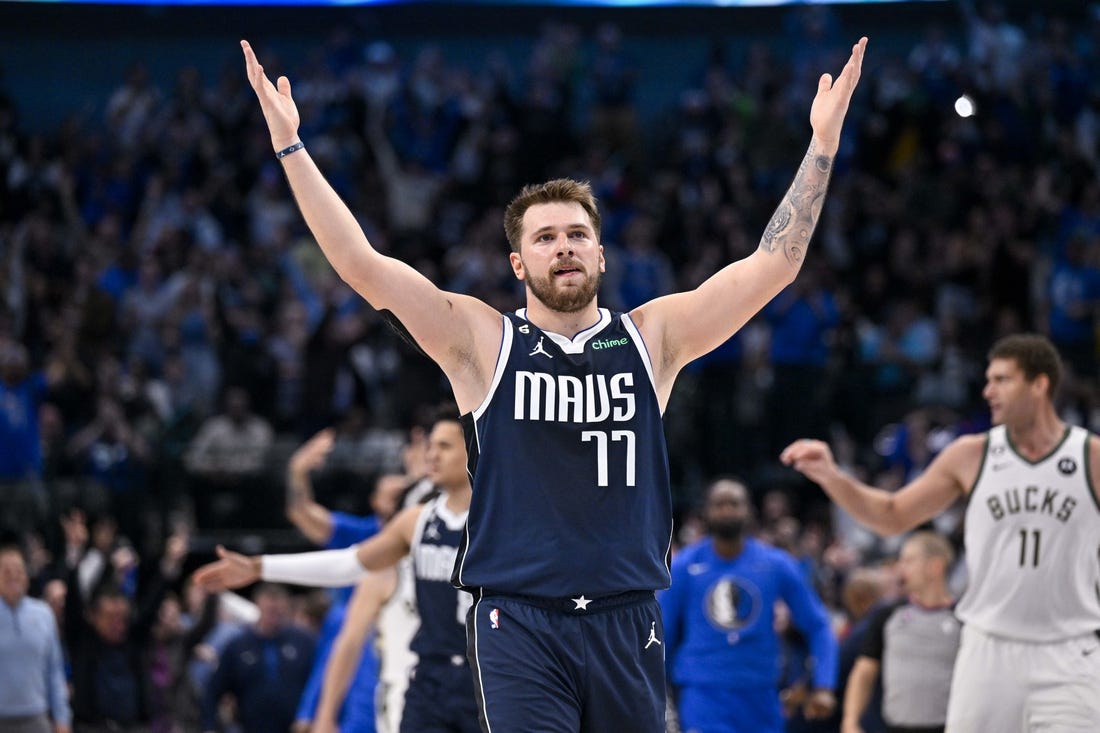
<point x="794" y="219"/>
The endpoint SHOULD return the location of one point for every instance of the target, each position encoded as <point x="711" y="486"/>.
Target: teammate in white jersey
<point x="1030" y="653"/>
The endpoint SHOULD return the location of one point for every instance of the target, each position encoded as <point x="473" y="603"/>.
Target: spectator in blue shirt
<point x="33" y="696"/>
<point x="721" y="646"/>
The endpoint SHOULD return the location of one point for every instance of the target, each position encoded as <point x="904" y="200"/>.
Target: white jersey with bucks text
<point x="1033" y="543"/>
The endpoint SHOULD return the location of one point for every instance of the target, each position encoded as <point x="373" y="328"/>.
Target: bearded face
<point x="561" y="258"/>
<point x="567" y="288"/>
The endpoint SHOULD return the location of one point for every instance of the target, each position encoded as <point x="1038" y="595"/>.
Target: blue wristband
<point x="287" y="151"/>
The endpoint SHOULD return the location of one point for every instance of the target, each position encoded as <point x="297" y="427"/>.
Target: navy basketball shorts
<point x="440" y="698"/>
<point x="568" y="665"/>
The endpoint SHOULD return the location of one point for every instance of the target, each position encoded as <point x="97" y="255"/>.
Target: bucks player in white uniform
<point x="1029" y="659"/>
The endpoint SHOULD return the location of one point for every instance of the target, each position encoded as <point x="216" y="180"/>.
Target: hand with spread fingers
<point x="230" y="570"/>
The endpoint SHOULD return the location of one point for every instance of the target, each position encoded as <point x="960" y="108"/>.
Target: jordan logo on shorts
<point x="652" y="636"/>
<point x="540" y="350"/>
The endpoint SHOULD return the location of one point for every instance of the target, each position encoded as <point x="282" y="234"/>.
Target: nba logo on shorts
<point x="494" y="618"/>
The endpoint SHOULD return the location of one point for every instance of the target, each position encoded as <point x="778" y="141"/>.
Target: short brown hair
<point x="559" y="190"/>
<point x="1034" y="354"/>
<point x="933" y="544"/>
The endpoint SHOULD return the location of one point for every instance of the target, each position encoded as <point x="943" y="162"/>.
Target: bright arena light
<point x="964" y="106"/>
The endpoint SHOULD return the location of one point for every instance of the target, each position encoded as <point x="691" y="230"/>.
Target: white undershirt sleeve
<point x="324" y="568"/>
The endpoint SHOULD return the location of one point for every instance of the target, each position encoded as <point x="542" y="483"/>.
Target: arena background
<point x="940" y="233"/>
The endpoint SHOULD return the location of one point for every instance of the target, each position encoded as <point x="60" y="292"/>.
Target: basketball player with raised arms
<point x="1029" y="658"/>
<point x="570" y="526"/>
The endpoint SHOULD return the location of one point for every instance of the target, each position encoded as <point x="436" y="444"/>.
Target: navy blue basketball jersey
<point x="442" y="607"/>
<point x="570" y="471"/>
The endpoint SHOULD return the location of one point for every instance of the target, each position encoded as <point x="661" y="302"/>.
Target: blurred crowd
<point x="169" y="332"/>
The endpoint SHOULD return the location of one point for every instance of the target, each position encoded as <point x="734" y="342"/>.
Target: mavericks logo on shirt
<point x="732" y="604"/>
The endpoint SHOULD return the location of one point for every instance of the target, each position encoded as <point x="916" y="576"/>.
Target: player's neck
<point x="728" y="548"/>
<point x="1038" y="437"/>
<point x="566" y="324"/>
<point x="932" y="598"/>
<point x="458" y="498"/>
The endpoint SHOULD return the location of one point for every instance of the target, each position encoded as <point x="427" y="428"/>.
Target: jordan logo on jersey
<point x="652" y="636"/>
<point x="539" y="349"/>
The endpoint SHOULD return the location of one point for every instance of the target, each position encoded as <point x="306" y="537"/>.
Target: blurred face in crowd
<point x="169" y="618"/>
<point x="387" y="492"/>
<point x="54" y="595"/>
<point x="560" y="258"/>
<point x="1012" y="399"/>
<point x="861" y="591"/>
<point x="104" y="533"/>
<point x="110" y="617"/>
<point x="236" y="405"/>
<point x="13" y="576"/>
<point x="274" y="607"/>
<point x="13" y="363"/>
<point x="728" y="510"/>
<point x="447" y="455"/>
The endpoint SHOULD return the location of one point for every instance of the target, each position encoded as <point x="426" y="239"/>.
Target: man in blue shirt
<point x="33" y="697"/>
<point x="265" y="668"/>
<point x="721" y="648"/>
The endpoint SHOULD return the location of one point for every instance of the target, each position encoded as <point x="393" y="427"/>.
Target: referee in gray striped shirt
<point x="912" y="643"/>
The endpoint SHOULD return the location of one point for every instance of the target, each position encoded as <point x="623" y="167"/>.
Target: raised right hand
<point x="231" y="570"/>
<point x="275" y="100"/>
<point x="811" y="458"/>
<point x="311" y="454"/>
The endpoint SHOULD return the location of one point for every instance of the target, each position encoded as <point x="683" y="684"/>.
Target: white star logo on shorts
<point x="582" y="603"/>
